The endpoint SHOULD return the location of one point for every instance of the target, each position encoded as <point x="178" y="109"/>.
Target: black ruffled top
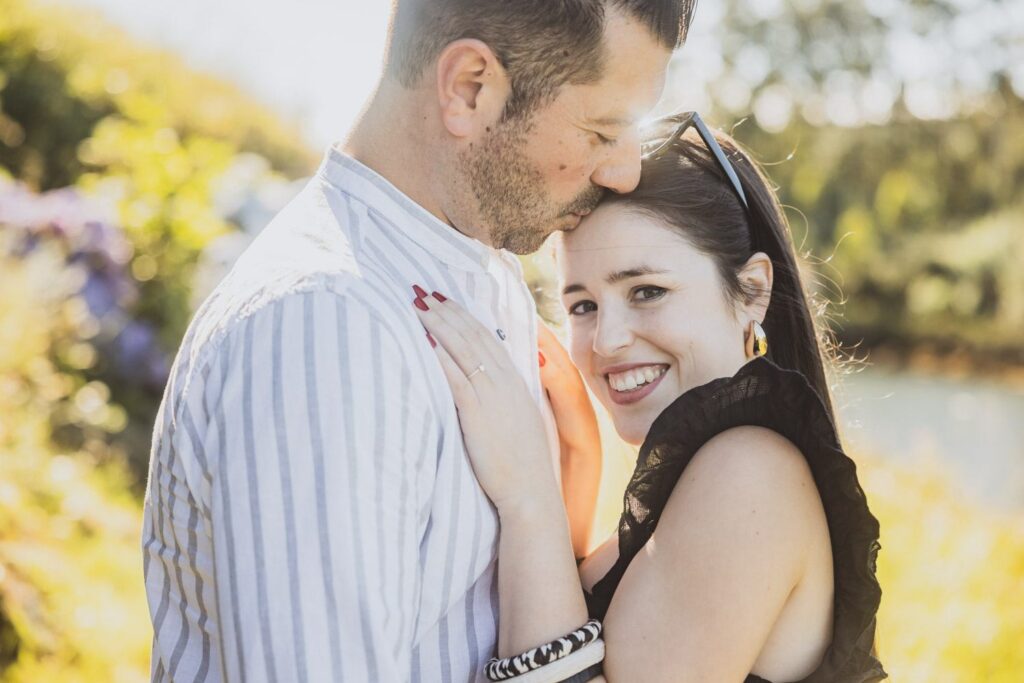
<point x="765" y="395"/>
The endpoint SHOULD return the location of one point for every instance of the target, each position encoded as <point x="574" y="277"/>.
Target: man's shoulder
<point x="356" y="299"/>
<point x="315" y="320"/>
<point x="313" y="247"/>
<point x="309" y="257"/>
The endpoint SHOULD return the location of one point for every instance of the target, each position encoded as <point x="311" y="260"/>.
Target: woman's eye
<point x="581" y="307"/>
<point x="649" y="293"/>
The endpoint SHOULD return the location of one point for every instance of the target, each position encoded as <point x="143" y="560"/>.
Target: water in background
<point x="972" y="428"/>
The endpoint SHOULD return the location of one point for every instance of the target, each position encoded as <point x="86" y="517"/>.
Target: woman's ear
<point x="756" y="280"/>
<point x="472" y="87"/>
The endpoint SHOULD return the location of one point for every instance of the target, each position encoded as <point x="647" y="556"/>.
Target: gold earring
<point x="757" y="340"/>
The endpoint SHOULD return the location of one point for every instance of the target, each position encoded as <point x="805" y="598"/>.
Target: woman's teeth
<point x="637" y="377"/>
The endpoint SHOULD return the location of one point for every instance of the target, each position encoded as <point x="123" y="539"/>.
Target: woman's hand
<point x="539" y="593"/>
<point x="501" y="423"/>
<point x="578" y="435"/>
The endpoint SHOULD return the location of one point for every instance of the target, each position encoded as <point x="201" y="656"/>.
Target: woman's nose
<point x="613" y="334"/>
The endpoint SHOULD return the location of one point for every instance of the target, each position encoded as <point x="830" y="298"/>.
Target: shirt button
<point x="501" y="334"/>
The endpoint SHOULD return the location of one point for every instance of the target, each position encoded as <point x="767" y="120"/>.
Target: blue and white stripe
<point x="311" y="514"/>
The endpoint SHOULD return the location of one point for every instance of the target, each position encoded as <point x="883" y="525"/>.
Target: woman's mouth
<point x="634" y="384"/>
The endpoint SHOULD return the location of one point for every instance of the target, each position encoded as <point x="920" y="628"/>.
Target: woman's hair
<point x="686" y="188"/>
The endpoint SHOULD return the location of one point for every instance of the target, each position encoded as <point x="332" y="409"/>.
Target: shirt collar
<point x="413" y="221"/>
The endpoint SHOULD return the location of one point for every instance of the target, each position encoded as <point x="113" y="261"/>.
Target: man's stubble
<point x="510" y="192"/>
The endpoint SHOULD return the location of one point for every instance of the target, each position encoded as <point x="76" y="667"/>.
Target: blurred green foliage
<point x="84" y="107"/>
<point x="81" y="104"/>
<point x="71" y="600"/>
<point x="62" y="71"/>
<point x="895" y="132"/>
<point x="918" y="226"/>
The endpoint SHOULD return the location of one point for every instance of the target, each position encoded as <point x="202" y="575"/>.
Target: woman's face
<point x="649" y="316"/>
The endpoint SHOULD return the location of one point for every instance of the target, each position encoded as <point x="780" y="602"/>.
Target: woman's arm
<point x="539" y="593"/>
<point x="700" y="600"/>
<point x="540" y="598"/>
<point x="578" y="436"/>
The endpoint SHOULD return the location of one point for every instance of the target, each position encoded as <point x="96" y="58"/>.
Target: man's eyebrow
<point x="617" y="276"/>
<point x="611" y="121"/>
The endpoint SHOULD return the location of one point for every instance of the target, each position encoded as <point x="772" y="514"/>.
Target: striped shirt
<point x="311" y="513"/>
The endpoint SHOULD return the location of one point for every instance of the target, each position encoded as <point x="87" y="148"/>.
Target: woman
<point x="746" y="549"/>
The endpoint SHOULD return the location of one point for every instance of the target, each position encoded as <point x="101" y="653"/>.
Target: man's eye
<point x="649" y="293"/>
<point x="604" y="139"/>
<point x="581" y="307"/>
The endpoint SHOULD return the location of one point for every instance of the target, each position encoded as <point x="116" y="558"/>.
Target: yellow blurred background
<point x="141" y="148"/>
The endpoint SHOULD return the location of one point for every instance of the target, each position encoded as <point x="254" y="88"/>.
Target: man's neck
<point x="389" y="140"/>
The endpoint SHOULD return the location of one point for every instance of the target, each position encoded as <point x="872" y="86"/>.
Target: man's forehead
<point x="613" y="105"/>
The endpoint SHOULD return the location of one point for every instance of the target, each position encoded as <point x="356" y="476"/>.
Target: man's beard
<point x="511" y="198"/>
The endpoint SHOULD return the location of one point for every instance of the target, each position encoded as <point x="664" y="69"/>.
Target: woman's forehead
<point x="593" y="252"/>
<point x="616" y="234"/>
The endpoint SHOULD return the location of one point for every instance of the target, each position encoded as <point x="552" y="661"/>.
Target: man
<point x="311" y="514"/>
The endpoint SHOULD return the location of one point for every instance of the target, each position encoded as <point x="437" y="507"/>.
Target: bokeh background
<point x="142" y="145"/>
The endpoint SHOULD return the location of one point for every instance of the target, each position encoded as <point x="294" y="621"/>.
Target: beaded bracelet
<point x="504" y="669"/>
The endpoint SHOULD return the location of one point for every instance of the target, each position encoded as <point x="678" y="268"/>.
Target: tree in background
<point x="895" y="131"/>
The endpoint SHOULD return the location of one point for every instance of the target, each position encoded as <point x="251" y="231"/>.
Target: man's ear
<point x="756" y="280"/>
<point x="472" y="87"/>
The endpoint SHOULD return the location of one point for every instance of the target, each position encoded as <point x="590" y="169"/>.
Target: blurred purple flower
<point x="86" y="233"/>
<point x="136" y="356"/>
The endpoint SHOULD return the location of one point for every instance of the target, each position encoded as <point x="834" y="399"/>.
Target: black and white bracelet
<point x="510" y="667"/>
<point x="579" y="667"/>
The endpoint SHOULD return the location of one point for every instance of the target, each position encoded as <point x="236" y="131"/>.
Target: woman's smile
<point x="632" y="382"/>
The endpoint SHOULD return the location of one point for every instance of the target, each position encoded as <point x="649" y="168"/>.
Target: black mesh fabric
<point x="763" y="394"/>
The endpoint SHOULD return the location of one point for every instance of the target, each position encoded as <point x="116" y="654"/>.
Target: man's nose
<point x="620" y="172"/>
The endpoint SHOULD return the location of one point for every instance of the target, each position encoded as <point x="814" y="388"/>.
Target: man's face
<point x="534" y="176"/>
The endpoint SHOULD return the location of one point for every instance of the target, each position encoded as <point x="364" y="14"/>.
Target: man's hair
<point x="542" y="44"/>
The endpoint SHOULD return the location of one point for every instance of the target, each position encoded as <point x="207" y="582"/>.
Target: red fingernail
<point x="421" y="304"/>
<point x="420" y="292"/>
<point x="431" y="340"/>
<point x="541" y="359"/>
<point x="440" y="297"/>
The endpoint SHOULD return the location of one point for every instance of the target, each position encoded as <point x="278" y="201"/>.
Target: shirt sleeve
<point x="308" y="437"/>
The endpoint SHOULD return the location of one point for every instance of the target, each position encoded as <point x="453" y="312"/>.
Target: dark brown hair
<point x="686" y="188"/>
<point x="542" y="44"/>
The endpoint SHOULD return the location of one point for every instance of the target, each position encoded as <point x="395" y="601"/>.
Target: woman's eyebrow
<point x="638" y="271"/>
<point x="617" y="276"/>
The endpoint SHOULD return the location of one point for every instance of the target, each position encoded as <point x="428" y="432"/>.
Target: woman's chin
<point x="633" y="433"/>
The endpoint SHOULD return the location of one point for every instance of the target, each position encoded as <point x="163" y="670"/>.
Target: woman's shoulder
<point x="751" y="462"/>
<point x="752" y="488"/>
<point x="749" y="452"/>
<point x="763" y="434"/>
<point x="762" y="431"/>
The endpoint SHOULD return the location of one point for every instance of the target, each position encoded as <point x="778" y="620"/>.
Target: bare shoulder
<point x="751" y="489"/>
<point x="751" y="460"/>
<point x="733" y="542"/>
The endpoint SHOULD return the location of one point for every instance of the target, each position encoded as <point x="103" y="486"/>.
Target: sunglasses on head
<point x="692" y="119"/>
